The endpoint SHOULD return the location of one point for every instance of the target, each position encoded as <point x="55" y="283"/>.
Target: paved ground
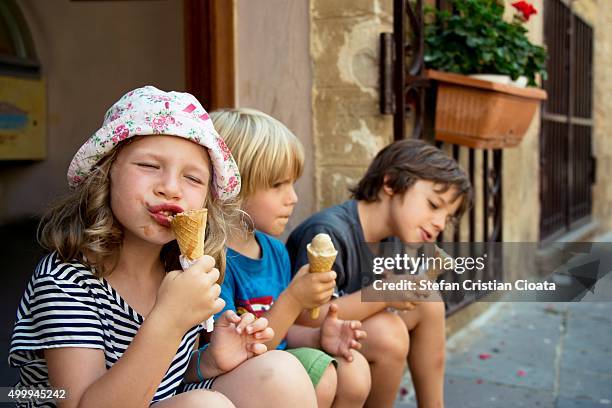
<point x="532" y="355"/>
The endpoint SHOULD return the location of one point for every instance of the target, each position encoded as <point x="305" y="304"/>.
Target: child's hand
<point x="187" y="298"/>
<point x="238" y="338"/>
<point x="338" y="337"/>
<point x="312" y="289"/>
<point x="410" y="298"/>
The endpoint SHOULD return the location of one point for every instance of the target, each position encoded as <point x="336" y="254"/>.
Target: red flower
<point x="484" y="356"/>
<point x="525" y="8"/>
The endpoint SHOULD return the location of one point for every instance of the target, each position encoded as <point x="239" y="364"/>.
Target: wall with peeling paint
<point x="348" y="129"/>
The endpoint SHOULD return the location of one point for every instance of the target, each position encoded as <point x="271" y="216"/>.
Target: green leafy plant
<point x="475" y="39"/>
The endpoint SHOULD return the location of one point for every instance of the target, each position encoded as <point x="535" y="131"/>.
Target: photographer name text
<point x="469" y="285"/>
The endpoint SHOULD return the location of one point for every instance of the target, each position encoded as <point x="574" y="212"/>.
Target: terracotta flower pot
<point x="482" y="114"/>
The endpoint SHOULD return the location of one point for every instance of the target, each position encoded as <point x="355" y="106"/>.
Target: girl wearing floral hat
<point x="108" y="319"/>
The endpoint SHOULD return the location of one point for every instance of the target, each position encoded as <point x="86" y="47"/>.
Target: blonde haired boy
<point x="258" y="278"/>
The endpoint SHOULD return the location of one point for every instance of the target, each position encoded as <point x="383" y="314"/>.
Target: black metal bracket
<point x="402" y="85"/>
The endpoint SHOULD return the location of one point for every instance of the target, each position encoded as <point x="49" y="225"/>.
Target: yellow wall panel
<point x="22" y="119"/>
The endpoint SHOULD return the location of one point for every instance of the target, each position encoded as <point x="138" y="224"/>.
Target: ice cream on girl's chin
<point x="322" y="245"/>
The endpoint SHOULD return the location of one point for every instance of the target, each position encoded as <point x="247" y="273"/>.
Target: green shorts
<point x="314" y="361"/>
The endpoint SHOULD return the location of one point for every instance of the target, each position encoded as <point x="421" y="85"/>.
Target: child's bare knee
<point x="279" y="367"/>
<point x="327" y="386"/>
<point x="432" y="311"/>
<point x="354" y="380"/>
<point x="387" y="333"/>
<point x="201" y="398"/>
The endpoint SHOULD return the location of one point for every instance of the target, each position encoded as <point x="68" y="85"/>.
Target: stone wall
<point x="599" y="14"/>
<point x="348" y="129"/>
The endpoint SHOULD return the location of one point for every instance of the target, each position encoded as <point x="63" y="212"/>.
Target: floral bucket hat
<point x="149" y="111"/>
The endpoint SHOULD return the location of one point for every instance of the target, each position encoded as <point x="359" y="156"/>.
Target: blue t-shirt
<point x="252" y="285"/>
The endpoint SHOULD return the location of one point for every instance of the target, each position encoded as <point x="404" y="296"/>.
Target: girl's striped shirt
<point x="66" y="305"/>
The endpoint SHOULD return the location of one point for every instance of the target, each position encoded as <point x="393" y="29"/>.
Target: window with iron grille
<point x="566" y="162"/>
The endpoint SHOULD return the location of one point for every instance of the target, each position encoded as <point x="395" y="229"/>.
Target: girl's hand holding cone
<point x="190" y="297"/>
<point x="189" y="227"/>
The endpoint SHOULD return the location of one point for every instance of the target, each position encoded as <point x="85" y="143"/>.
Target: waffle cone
<point x="319" y="263"/>
<point x="189" y="228"/>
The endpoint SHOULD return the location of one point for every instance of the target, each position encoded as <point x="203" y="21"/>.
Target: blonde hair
<point x="265" y="150"/>
<point x="82" y="227"/>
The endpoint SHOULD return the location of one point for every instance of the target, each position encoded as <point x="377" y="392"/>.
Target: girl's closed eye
<point x="147" y="165"/>
<point x="194" y="179"/>
<point x="433" y="205"/>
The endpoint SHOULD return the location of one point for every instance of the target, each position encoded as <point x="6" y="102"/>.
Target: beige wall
<point x="274" y="75"/>
<point x="599" y="13"/>
<point x="91" y="53"/>
<point x="521" y="165"/>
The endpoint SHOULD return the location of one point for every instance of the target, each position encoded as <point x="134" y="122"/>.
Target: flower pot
<point x="482" y="114"/>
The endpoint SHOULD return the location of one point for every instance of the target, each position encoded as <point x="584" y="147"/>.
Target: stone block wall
<point x="348" y="129"/>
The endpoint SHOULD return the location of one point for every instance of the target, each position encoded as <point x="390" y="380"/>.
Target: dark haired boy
<point x="409" y="193"/>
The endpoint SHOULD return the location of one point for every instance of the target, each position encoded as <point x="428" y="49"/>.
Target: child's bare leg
<point x="196" y="399"/>
<point x="326" y="388"/>
<point x="273" y="379"/>
<point x="426" y="324"/>
<point x="385" y="348"/>
<point x="353" y="382"/>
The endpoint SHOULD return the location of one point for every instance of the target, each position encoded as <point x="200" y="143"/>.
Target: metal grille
<point x="404" y="88"/>
<point x="567" y="165"/>
<point x="487" y="231"/>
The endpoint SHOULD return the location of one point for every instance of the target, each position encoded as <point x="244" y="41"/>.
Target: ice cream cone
<point x="320" y="262"/>
<point x="189" y="228"/>
<point x="190" y="231"/>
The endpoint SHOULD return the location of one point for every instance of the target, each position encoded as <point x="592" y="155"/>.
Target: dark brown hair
<point x="404" y="162"/>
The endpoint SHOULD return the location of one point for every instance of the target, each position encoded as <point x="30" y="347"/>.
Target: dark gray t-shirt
<point x="353" y="264"/>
